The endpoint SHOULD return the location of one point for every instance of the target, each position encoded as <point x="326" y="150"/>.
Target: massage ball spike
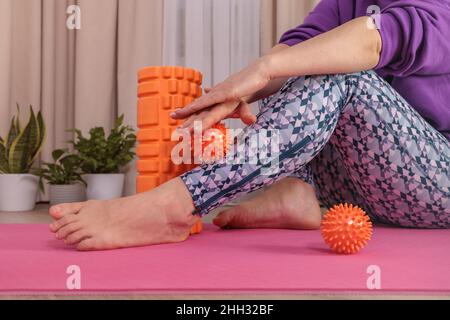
<point x="346" y="229"/>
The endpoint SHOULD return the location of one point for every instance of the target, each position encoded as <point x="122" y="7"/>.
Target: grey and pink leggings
<point x="355" y="139"/>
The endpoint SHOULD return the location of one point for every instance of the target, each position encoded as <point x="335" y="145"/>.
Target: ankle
<point x="179" y="203"/>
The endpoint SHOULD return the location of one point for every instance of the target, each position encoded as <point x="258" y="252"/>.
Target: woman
<point x="361" y="106"/>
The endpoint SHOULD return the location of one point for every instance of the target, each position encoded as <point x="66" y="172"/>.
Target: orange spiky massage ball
<point x="218" y="141"/>
<point x="346" y="229"/>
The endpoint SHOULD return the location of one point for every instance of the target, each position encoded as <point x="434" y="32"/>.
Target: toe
<point x="55" y="212"/>
<point x="86" y="245"/>
<point x="76" y="237"/>
<point x="68" y="229"/>
<point x="61" y="210"/>
<point x="58" y="224"/>
<point x="224" y="218"/>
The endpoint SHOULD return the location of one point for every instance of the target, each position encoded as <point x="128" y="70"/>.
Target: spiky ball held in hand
<point x="213" y="147"/>
<point x="346" y="229"/>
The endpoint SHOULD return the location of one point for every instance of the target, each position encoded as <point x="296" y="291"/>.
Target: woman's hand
<point x="210" y="116"/>
<point x="231" y="91"/>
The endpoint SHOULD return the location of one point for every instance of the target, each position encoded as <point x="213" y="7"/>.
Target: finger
<point x="206" y="101"/>
<point x="194" y="121"/>
<point x="188" y="123"/>
<point x="207" y="90"/>
<point x="212" y="116"/>
<point x="212" y="119"/>
<point x="246" y="114"/>
<point x="234" y="115"/>
<point x="218" y="114"/>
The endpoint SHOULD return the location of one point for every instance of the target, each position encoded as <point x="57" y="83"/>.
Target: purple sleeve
<point x="323" y="18"/>
<point x="415" y="38"/>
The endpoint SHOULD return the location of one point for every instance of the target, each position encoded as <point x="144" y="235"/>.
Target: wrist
<point x="248" y="99"/>
<point x="266" y="66"/>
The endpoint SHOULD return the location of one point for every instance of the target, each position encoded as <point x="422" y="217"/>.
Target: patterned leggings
<point x="355" y="139"/>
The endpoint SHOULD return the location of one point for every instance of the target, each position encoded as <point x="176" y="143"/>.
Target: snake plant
<point x="21" y="146"/>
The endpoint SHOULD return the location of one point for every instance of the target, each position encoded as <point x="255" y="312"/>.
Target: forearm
<point x="349" y="48"/>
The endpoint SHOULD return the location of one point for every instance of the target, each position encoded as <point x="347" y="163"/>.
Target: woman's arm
<point x="352" y="47"/>
<point x="239" y="108"/>
<point x="285" y="61"/>
<point x="273" y="86"/>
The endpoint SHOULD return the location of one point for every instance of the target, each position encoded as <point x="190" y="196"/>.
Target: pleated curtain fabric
<point x="278" y="16"/>
<point x="218" y="37"/>
<point x="78" y="78"/>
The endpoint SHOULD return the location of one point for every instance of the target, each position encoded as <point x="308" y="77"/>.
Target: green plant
<point x="64" y="170"/>
<point x="20" y="148"/>
<point x="101" y="154"/>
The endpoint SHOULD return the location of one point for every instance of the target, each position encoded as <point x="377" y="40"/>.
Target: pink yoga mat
<point x="252" y="261"/>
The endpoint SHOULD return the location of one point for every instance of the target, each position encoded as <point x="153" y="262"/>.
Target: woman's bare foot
<point x="163" y="215"/>
<point x="288" y="204"/>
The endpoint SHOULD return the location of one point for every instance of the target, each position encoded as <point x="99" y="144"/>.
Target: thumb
<point x="246" y="114"/>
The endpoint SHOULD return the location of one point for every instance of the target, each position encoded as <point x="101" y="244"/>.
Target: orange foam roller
<point x="168" y="72"/>
<point x="161" y="90"/>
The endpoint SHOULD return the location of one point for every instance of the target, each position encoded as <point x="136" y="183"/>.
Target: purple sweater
<point x="415" y="57"/>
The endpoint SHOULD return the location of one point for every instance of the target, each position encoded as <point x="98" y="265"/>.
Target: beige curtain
<point x="78" y="78"/>
<point x="278" y="16"/>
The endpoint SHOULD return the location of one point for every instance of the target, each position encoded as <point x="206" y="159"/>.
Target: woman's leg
<point x="289" y="203"/>
<point x="386" y="146"/>
<point x="293" y="203"/>
<point x="303" y="119"/>
<point x="302" y="116"/>
<point x="396" y="164"/>
<point x="332" y="182"/>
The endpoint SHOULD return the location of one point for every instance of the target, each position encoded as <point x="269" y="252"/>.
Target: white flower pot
<point x="67" y="193"/>
<point x="104" y="186"/>
<point x="18" y="192"/>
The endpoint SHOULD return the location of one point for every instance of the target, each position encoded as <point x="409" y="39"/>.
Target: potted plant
<point x="18" y="151"/>
<point x="64" y="178"/>
<point x="102" y="158"/>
